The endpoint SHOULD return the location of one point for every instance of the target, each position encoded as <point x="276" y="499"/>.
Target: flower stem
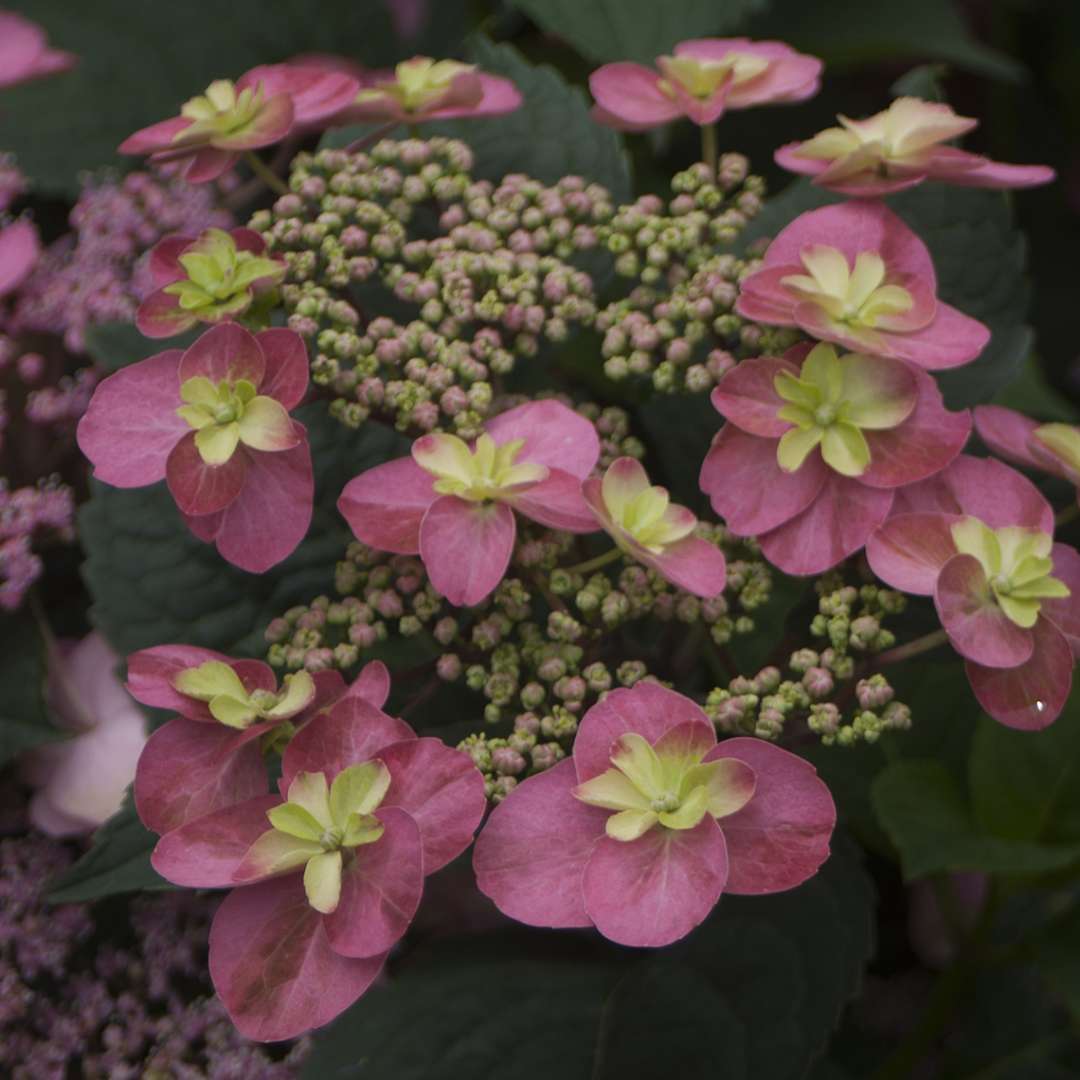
<point x="1070" y="513"/>
<point x="370" y="139"/>
<point x="912" y="648"/>
<point x="709" y="150"/>
<point x="595" y="564"/>
<point x="265" y="173"/>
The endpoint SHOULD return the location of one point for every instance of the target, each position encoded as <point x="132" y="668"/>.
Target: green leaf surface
<point x="980" y="258"/>
<point x="484" y="1009"/>
<point x="114" y="345"/>
<point x="641" y="30"/>
<point x="550" y="136"/>
<point x="153" y="583"/>
<point x="926" y="814"/>
<point x="138" y="62"/>
<point x="1031" y="393"/>
<point x="118" y="861"/>
<point x="24" y="717"/>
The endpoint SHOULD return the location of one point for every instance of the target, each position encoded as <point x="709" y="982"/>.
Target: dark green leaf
<point x="550" y="136"/>
<point x="921" y="806"/>
<point x="980" y="259"/>
<point x="482" y="1008"/>
<point x="118" y="861"/>
<point x="640" y="30"/>
<point x="153" y="583"/>
<point x="680" y="429"/>
<point x="923" y="82"/>
<point x="851" y="32"/>
<point x="1031" y="393"/>
<point x="116" y="344"/>
<point x="138" y="62"/>
<point x="24" y="718"/>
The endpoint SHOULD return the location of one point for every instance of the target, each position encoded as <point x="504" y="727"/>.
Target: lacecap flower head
<point x="898" y="148"/>
<point x="978" y="538"/>
<point x="453" y="503"/>
<point x="701" y="81"/>
<point x="214" y="423"/>
<point x="1052" y="448"/>
<point x="650" y="821"/>
<point x="856" y="275"/>
<point x="644" y="523"/>
<point x="816" y="443"/>
<point x="328" y="874"/>
<point x="425" y="89"/>
<point x="211" y="278"/>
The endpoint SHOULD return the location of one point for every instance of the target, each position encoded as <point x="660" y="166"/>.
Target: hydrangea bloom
<point x="453" y="504"/>
<point x="856" y="275"/>
<point x="317" y="93"/>
<point x="424" y="89"/>
<point x="815" y="445"/>
<point x="25" y="52"/>
<point x="331" y="871"/>
<point x="899" y="148"/>
<point x="979" y="539"/>
<point x="211" y="753"/>
<point x="704" y="78"/>
<point x="1051" y="448"/>
<point x="214" y="422"/>
<point x="208" y="279"/>
<point x="645" y="524"/>
<point x="19" y="250"/>
<point x="215" y="128"/>
<point x="80" y="782"/>
<point x="650" y="821"/>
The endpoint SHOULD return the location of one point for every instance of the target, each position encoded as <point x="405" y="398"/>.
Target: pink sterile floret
<point x="856" y="275"/>
<point x="330" y="872"/>
<point x="978" y="537"/>
<point x="453" y="504"/>
<point x="214" y="422"/>
<point x="815" y="445"/>
<point x="704" y="78"/>
<point x="1052" y="448"/>
<point x="898" y="148"/>
<point x="650" y="821"/>
<point x="25" y="52"/>
<point x="211" y="753"/>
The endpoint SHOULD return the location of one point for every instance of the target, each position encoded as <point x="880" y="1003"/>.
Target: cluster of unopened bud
<point x="466" y="276"/>
<point x="852" y="621"/>
<point x="677" y="325"/>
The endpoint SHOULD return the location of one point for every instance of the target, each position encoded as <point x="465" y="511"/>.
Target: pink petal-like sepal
<point x="25" y="52"/>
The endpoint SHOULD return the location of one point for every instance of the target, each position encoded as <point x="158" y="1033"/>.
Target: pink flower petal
<point x="1031" y="696"/>
<point x="556" y="502"/>
<point x="654" y="890"/>
<point x="978" y="629"/>
<point x="204" y="526"/>
<point x="648" y="709"/>
<point x="352" y="732"/>
<point x="497" y="96"/>
<point x="189" y="769"/>
<point x="273" y="967"/>
<point x="164" y="262"/>
<point x="554" y="435"/>
<point x="156" y="137"/>
<point x="1064" y="613"/>
<point x="372" y="684"/>
<point x="265" y="523"/>
<point x="385" y="505"/>
<point x="317" y="93"/>
<point x="836" y="525"/>
<point x="781" y="837"/>
<point x="530" y="857"/>
<point x="19" y="250"/>
<point x="160" y="316"/>
<point x="380" y="889"/>
<point x="1006" y="433"/>
<point x="747" y="397"/>
<point x="441" y="790"/>
<point x="631" y="93"/>
<point x="272" y="123"/>
<point x="225" y="353"/>
<point x="928" y="440"/>
<point x="747" y="487"/>
<point x="692" y="564"/>
<point x="947" y="165"/>
<point x="286" y="374"/>
<point x="909" y="550"/>
<point x="131" y="426"/>
<point x="199" y="488"/>
<point x="466" y="547"/>
<point x="208" y="163"/>
<point x="206" y="853"/>
<point x="952" y="339"/>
